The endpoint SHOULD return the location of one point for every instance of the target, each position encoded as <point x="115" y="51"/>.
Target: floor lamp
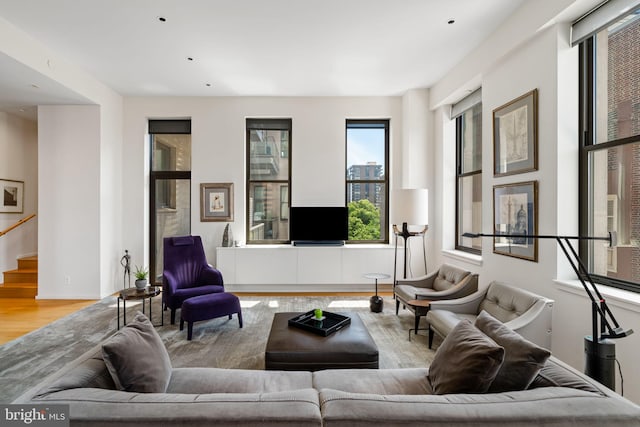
<point x="411" y="209"/>
<point x="600" y="351"/>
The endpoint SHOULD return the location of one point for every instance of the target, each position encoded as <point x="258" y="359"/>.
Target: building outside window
<point x="169" y="187"/>
<point x="268" y="180"/>
<point x="610" y="151"/>
<point x="468" y="116"/>
<point x="367" y="180"/>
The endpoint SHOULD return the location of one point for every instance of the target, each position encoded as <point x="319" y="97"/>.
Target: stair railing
<point x="17" y="224"/>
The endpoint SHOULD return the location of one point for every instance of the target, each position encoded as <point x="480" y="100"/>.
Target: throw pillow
<point x="522" y="358"/>
<point x="137" y="359"/>
<point x="467" y="361"/>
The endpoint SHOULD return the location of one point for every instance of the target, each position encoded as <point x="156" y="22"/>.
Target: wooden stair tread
<point x="23" y="281"/>
<point x="18" y="285"/>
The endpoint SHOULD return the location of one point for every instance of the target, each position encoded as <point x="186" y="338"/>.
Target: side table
<point x="376" y="302"/>
<point x="420" y="308"/>
<point x="133" y="294"/>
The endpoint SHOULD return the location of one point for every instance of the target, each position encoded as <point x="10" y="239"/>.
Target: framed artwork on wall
<point x="515" y="211"/>
<point x="12" y="196"/>
<point x="216" y="202"/>
<point x="515" y="135"/>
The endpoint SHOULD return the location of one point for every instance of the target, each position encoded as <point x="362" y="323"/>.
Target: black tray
<point x="331" y="323"/>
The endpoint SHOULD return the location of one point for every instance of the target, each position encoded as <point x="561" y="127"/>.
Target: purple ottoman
<point x="209" y="306"/>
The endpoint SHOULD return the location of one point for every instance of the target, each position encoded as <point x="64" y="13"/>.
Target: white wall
<point x="543" y="60"/>
<point x="218" y="152"/>
<point x="19" y="162"/>
<point x="69" y="203"/>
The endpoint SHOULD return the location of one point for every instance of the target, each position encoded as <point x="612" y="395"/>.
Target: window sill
<point x="463" y="256"/>
<point x="615" y="297"/>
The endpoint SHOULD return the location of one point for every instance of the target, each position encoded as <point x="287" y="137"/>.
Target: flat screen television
<point x="318" y="225"/>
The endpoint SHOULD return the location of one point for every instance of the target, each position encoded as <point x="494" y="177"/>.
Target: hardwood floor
<point x="23" y="315"/>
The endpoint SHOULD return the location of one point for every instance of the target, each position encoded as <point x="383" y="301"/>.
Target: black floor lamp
<point x="600" y="351"/>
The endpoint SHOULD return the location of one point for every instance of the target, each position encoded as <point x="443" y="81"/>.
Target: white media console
<point x="286" y="268"/>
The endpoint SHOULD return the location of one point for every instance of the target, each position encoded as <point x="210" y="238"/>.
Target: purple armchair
<point x="186" y="272"/>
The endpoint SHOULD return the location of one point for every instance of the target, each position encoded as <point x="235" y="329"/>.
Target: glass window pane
<point x="470" y="210"/>
<point x="366" y="153"/>
<point x="366" y="209"/>
<point x="269" y="154"/>
<point x="471" y="157"/>
<point x="173" y="218"/>
<point x="265" y="212"/>
<point x="171" y="152"/>
<point x="615" y="180"/>
<point x="616" y="83"/>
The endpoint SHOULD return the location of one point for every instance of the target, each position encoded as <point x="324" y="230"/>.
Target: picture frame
<point x="216" y="201"/>
<point x="12" y="200"/>
<point x="515" y="211"/>
<point x="515" y="135"/>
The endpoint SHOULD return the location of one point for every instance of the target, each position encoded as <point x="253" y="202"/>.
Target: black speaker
<point x="600" y="361"/>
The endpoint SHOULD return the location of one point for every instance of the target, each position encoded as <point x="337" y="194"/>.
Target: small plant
<point x="141" y="273"/>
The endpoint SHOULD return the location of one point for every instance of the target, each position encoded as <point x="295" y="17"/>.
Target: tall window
<point x="367" y="180"/>
<point x="268" y="180"/>
<point x="469" y="171"/>
<point x="610" y="151"/>
<point x="169" y="187"/>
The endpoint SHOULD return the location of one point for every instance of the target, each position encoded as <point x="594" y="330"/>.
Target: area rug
<point x="216" y="343"/>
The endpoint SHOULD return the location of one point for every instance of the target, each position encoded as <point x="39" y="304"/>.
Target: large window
<point x="268" y="180"/>
<point x="610" y="151"/>
<point x="169" y="187"/>
<point x="367" y="180"/>
<point x="469" y="172"/>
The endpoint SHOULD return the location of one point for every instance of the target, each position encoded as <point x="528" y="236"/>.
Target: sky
<point x="365" y="145"/>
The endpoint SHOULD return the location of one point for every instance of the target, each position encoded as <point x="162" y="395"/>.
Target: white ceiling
<point x="247" y="47"/>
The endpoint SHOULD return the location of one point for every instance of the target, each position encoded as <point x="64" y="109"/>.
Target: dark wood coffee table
<point x="420" y="308"/>
<point x="131" y="294"/>
<point x="294" y="349"/>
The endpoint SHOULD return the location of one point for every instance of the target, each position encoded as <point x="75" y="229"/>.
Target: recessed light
<point x="451" y="21"/>
<point x="162" y="19"/>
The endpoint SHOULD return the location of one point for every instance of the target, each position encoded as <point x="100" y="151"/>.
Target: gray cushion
<point x="137" y="359"/>
<point x="522" y="358"/>
<point x="467" y="361"/>
<point x="89" y="373"/>
<point x="554" y="375"/>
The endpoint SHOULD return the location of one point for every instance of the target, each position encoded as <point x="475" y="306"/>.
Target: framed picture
<point x="216" y="202"/>
<point x="515" y="211"/>
<point x="12" y="196"/>
<point x="515" y="135"/>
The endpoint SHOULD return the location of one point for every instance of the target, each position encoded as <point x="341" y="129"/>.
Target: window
<point x="169" y="187"/>
<point x="469" y="171"/>
<point x="268" y="180"/>
<point x="610" y="151"/>
<point x="367" y="180"/>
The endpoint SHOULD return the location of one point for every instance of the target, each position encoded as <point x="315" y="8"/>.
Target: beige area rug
<point x="216" y="343"/>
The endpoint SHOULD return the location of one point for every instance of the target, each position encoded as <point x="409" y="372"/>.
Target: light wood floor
<point x="23" y="315"/>
<point x="19" y="316"/>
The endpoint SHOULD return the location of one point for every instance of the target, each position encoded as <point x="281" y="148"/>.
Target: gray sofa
<point x="559" y="396"/>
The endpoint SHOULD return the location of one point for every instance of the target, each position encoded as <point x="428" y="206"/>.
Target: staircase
<point x="23" y="282"/>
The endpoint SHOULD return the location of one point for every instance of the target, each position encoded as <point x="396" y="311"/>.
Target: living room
<point x="91" y="193"/>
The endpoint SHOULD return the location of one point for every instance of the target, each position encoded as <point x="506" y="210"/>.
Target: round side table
<point x="376" y="302"/>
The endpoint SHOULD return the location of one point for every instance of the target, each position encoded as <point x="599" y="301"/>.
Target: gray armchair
<point x="522" y="311"/>
<point x="447" y="282"/>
